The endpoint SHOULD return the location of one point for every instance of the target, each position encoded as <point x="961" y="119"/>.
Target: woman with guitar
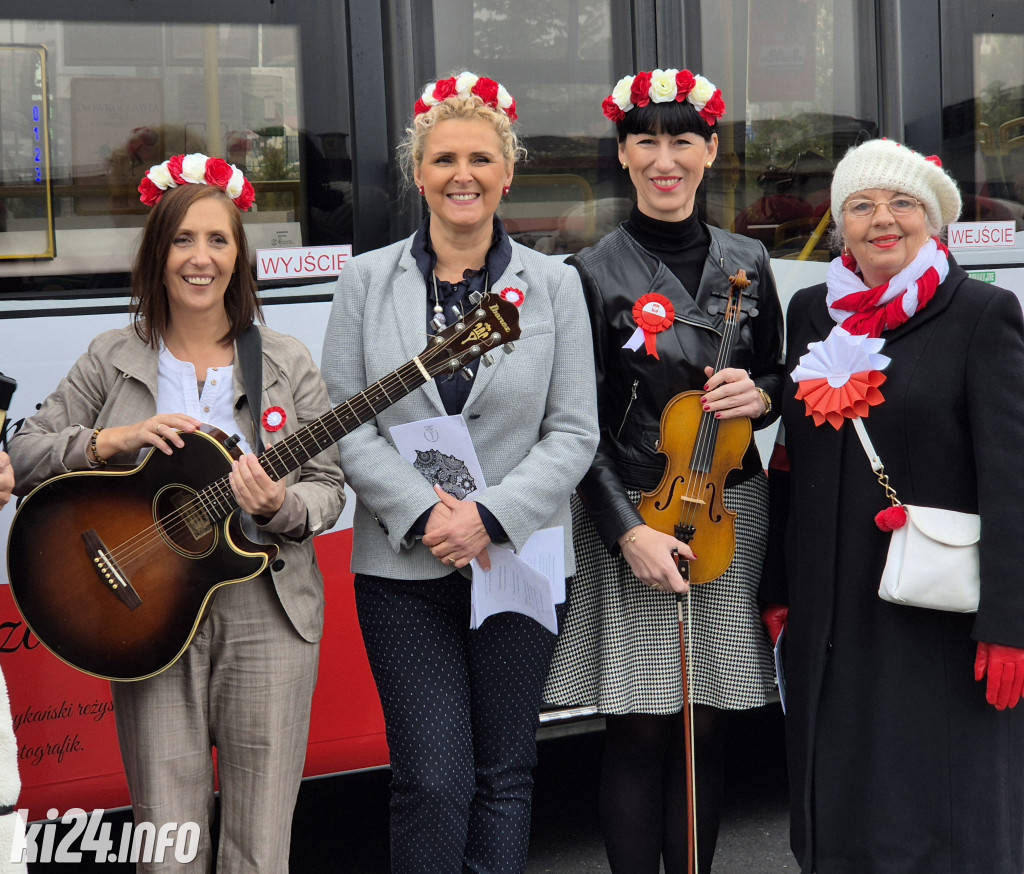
<point x="667" y="302"/>
<point x="245" y="683"/>
<point x="460" y="704"/>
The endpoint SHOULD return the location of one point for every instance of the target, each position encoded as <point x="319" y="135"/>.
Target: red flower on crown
<point x="196" y="169"/>
<point x="664" y="86"/>
<point x="467" y="84"/>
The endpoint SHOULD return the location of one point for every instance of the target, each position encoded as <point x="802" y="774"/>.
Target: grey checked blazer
<point x="532" y="415"/>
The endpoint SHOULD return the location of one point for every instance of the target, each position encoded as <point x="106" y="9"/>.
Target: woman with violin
<point x="659" y="291"/>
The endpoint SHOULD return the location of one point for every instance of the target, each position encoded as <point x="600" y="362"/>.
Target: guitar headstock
<point x="492" y="322"/>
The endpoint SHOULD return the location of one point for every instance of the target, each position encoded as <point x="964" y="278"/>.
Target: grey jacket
<point x="115" y="383"/>
<point x="532" y="416"/>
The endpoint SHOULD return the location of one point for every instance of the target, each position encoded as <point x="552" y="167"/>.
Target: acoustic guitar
<point x="113" y="570"/>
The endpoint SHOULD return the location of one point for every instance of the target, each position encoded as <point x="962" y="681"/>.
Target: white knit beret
<point x="891" y="166"/>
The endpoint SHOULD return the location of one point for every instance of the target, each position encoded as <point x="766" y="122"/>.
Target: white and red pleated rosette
<point x="838" y="378"/>
<point x="653" y="314"/>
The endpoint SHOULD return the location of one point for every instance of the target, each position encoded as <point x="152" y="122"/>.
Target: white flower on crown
<point x="504" y="98"/>
<point x="235" y="183"/>
<point x="663" y="86"/>
<point x="622" y="92"/>
<point x="464" y="83"/>
<point x="702" y="92"/>
<point x="193" y="168"/>
<point x="161" y="177"/>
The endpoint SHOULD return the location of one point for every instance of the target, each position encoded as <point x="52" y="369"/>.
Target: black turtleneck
<point x="682" y="246"/>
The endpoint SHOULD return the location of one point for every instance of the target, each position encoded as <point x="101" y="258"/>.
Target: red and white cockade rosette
<point x="653" y="313"/>
<point x="196" y="169"/>
<point x="838" y="378"/>
<point x="512" y="295"/>
<point x="274" y="418"/>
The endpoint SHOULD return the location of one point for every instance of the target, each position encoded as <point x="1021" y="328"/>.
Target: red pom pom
<point x="891" y="518"/>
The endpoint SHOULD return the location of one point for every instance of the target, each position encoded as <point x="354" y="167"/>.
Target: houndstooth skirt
<point x="619" y="645"/>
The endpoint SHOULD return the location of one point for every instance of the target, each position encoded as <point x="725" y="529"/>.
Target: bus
<point x="310" y="97"/>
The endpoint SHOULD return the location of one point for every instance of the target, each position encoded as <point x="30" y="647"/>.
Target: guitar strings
<point x="175" y="524"/>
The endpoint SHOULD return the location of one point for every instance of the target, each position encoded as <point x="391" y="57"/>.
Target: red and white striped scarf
<point x="862" y="310"/>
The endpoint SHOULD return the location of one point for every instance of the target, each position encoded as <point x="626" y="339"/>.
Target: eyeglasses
<point x="902" y="205"/>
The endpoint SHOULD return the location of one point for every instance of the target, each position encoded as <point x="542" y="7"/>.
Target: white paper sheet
<point x="532" y="583"/>
<point x="442" y="450"/>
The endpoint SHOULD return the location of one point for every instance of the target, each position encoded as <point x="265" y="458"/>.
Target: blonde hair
<point x="410" y="150"/>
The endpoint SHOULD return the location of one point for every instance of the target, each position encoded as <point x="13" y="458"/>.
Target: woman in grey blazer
<point x="245" y="684"/>
<point x="460" y="705"/>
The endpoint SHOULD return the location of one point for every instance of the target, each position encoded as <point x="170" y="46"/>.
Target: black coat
<point x="897" y="763"/>
<point x="633" y="387"/>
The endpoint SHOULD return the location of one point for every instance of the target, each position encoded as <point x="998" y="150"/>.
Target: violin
<point x="701" y="451"/>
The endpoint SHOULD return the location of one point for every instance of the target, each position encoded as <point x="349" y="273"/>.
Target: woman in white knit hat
<point x="905" y="751"/>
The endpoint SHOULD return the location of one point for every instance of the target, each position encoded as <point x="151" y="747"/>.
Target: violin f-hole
<point x="664" y="505"/>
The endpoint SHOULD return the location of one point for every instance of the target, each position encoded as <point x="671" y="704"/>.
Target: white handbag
<point x="933" y="558"/>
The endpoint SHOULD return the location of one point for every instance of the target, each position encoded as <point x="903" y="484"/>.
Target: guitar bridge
<point x="109" y="572"/>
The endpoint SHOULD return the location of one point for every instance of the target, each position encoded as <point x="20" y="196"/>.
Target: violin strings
<point x="707" y="433"/>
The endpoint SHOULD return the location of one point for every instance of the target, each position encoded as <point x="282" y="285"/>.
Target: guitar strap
<point x="250" y="357"/>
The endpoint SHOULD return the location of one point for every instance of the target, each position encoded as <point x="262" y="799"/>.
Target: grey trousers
<point x="244" y="686"/>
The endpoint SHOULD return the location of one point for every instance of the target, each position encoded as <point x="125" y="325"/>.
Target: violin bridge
<point x="687" y="499"/>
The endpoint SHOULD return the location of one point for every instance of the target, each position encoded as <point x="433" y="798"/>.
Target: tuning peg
<point x="475" y="298"/>
<point x="436" y="324"/>
<point x="467" y="374"/>
<point x="488" y="359"/>
<point x="509" y="348"/>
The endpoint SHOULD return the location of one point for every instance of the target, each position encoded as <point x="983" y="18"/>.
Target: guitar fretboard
<point x="217" y="499"/>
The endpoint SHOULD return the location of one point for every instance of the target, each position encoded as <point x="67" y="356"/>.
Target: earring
<point x="421" y="191"/>
<point x="707" y="166"/>
<point x="625" y="166"/>
<point x="505" y="191"/>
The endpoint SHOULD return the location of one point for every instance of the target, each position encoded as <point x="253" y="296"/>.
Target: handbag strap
<point x="875" y="460"/>
<point x="250" y="356"/>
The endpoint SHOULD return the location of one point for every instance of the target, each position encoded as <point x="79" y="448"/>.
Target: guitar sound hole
<point x="183" y="523"/>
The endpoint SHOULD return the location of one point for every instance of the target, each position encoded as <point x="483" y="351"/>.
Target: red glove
<point x="774" y="617"/>
<point x="1005" y="668"/>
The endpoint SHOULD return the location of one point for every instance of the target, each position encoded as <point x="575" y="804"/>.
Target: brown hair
<point x="150" y="309"/>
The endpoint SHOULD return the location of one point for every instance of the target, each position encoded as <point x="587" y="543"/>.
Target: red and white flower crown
<point x="664" y="86"/>
<point x="196" y="169"/>
<point x="467" y="84"/>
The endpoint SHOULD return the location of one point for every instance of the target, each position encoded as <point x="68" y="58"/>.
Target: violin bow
<point x="691" y="776"/>
<point x="737" y="284"/>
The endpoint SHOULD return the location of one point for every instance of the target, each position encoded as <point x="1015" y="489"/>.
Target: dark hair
<point x="150" y="309"/>
<point x="677" y="117"/>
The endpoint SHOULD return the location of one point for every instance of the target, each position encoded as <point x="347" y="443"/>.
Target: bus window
<point x="559" y="60"/>
<point x="126" y="96"/>
<point x="983" y="111"/>
<point x="799" y="79"/>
